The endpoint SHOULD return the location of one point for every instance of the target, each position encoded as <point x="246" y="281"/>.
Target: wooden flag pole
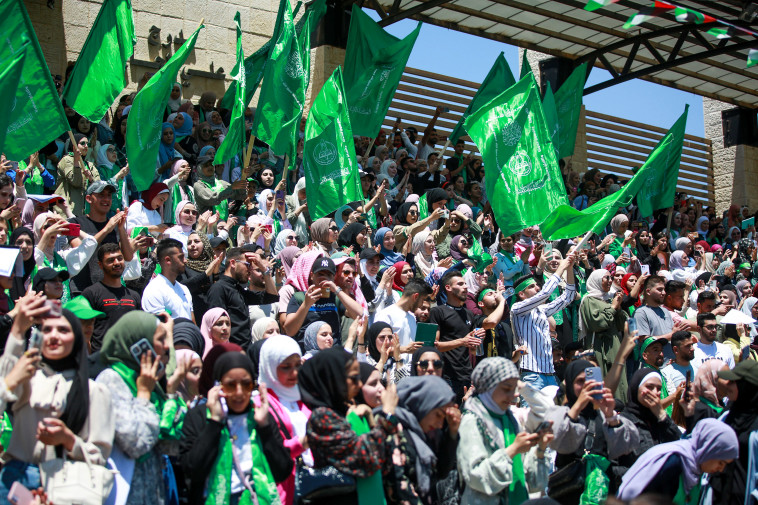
<point x="442" y="152"/>
<point x="249" y="151"/>
<point x="368" y="152"/>
<point x="668" y="220"/>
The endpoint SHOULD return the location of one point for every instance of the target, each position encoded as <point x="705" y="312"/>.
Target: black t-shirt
<point x="91" y="273"/>
<point x="455" y="323"/>
<point x="115" y="302"/>
<point x="325" y="309"/>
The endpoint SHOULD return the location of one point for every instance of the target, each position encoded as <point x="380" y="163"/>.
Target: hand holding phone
<point x="594" y="373"/>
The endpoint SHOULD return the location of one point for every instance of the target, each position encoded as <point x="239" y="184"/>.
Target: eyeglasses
<point x="711" y="327"/>
<point x="110" y="150"/>
<point x="348" y="272"/>
<point x="192" y="212"/>
<point x="355" y="379"/>
<point x="413" y="213"/>
<point x="231" y="386"/>
<point x="424" y="364"/>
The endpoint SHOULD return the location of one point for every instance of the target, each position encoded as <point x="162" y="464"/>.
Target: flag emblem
<point x="520" y="164"/>
<point x="294" y="67"/>
<point x="325" y="153"/>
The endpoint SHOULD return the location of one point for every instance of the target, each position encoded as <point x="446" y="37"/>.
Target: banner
<point x="234" y="141"/>
<point x="331" y="168"/>
<point x="568" y="105"/>
<point x="523" y="180"/>
<point x="10" y="76"/>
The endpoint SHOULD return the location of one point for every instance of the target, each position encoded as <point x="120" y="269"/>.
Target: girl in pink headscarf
<point x="216" y="328"/>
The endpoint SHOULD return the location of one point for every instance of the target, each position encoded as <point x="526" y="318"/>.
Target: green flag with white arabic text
<point x="331" y="169"/>
<point x="374" y="64"/>
<point x="99" y="74"/>
<point x="36" y="114"/>
<point x="522" y="178"/>
<point x="568" y="104"/>
<point x="567" y="222"/>
<point x="234" y="141"/>
<point x="143" y="130"/>
<point x="10" y="76"/>
<point x="498" y="79"/>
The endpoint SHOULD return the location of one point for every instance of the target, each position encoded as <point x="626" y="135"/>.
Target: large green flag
<point x="254" y="65"/>
<point x="498" y="79"/>
<point x="660" y="186"/>
<point x="567" y="222"/>
<point x="551" y="117"/>
<point x="374" y="64"/>
<point x="143" y="131"/>
<point x="526" y="68"/>
<point x="36" y="117"/>
<point x="282" y="96"/>
<point x="99" y="73"/>
<point x="10" y="76"/>
<point x="234" y="141"/>
<point x="522" y="178"/>
<point x="568" y="104"/>
<point x="331" y="169"/>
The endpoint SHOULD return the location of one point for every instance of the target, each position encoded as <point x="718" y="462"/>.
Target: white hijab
<point x="276" y="349"/>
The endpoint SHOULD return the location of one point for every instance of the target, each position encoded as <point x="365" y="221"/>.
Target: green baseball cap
<point x="650" y="341"/>
<point x="82" y="309"/>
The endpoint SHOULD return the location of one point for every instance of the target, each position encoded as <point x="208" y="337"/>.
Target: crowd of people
<point x="210" y="342"/>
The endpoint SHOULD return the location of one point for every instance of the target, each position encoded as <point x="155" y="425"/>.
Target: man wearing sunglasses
<point x="708" y="347"/>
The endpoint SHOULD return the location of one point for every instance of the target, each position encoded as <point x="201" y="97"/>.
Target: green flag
<point x="143" y="131"/>
<point x="99" y="72"/>
<point x="331" y="169"/>
<point x="234" y="141"/>
<point x="568" y="104"/>
<point x="36" y="116"/>
<point x="498" y="79"/>
<point x="374" y="64"/>
<point x="526" y="68"/>
<point x="551" y="117"/>
<point x="522" y="178"/>
<point x="423" y="207"/>
<point x="304" y="28"/>
<point x="10" y="76"/>
<point x="567" y="222"/>
<point x="660" y="183"/>
<point x="254" y="65"/>
<point x="282" y="96"/>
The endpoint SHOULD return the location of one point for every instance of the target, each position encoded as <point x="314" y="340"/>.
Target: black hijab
<point x="323" y="380"/>
<point x="230" y="361"/>
<point x="77" y="401"/>
<point x="435" y="195"/>
<point x="205" y="383"/>
<point x="365" y="370"/>
<point x="401" y="216"/>
<point x="374" y="331"/>
<point x="633" y="405"/>
<point x="572" y="371"/>
<point x="186" y="332"/>
<point x="254" y="353"/>
<point x="17" y="289"/>
<point x="417" y="356"/>
<point x="348" y="236"/>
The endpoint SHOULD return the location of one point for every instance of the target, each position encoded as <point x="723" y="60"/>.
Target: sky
<point x="465" y="56"/>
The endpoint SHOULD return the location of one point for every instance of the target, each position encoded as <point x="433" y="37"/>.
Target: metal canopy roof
<point x="661" y="50"/>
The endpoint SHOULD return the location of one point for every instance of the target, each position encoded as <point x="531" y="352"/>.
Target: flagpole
<point x="442" y="152"/>
<point x="668" y="220"/>
<point x="368" y="152"/>
<point x="249" y="151"/>
<point x="586" y="237"/>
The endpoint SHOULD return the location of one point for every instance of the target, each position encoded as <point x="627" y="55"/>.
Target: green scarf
<point x="6" y="430"/>
<point x="517" y="492"/>
<point x="222" y="208"/>
<point x="220" y="482"/>
<point x="684" y="498"/>
<point x="712" y="405"/>
<point x="558" y="316"/>
<point x="370" y="490"/>
<point x="109" y="175"/>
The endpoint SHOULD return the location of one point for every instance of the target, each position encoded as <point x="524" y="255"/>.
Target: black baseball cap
<point x="369" y="253"/>
<point x="745" y="370"/>
<point x="217" y="241"/>
<point x="48" y="274"/>
<point x="322" y="264"/>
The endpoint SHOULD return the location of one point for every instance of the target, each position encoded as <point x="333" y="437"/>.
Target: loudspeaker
<point x="555" y="71"/>
<point x="740" y="126"/>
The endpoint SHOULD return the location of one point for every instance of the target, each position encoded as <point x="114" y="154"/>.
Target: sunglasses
<point x="463" y="242"/>
<point x="292" y="237"/>
<point x="334" y="228"/>
<point x="192" y="212"/>
<point x="413" y="213"/>
<point x="205" y="130"/>
<point x="231" y="386"/>
<point x="110" y="150"/>
<point x="424" y="364"/>
<point x="83" y="143"/>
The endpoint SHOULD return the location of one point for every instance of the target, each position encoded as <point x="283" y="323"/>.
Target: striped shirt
<point x="530" y="326"/>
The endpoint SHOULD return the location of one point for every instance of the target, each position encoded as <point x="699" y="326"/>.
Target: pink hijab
<point x="301" y="270"/>
<point x="209" y="319"/>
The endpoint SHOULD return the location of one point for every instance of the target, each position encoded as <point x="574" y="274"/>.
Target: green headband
<point x="525" y="284"/>
<point x="483" y="293"/>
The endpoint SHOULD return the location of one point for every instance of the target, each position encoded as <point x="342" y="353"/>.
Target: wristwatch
<point x="339" y="290"/>
<point x="390" y="418"/>
<point x="267" y="271"/>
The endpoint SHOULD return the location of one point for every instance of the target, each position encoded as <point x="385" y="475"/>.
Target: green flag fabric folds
<point x="36" y="115"/>
<point x="568" y="105"/>
<point x="143" y="131"/>
<point x="374" y="64"/>
<point x="10" y="76"/>
<point x="254" y="65"/>
<point x="234" y="141"/>
<point x="567" y="222"/>
<point x="498" y="79"/>
<point x="99" y="73"/>
<point x="331" y="169"/>
<point x="522" y="178"/>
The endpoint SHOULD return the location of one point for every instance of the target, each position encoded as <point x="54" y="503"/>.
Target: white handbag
<point x="69" y="482"/>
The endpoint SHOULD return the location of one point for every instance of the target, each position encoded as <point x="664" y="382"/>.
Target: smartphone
<point x="277" y="263"/>
<point x="548" y="248"/>
<point x="143" y="346"/>
<point x="35" y="339"/>
<point x="645" y="269"/>
<point x="628" y="252"/>
<point x="20" y="495"/>
<point x="54" y="308"/>
<point x="279" y="194"/>
<point x="268" y="228"/>
<point x="632" y="324"/>
<point x="73" y="230"/>
<point x="687" y="386"/>
<point x="696" y="253"/>
<point x="20" y="202"/>
<point x="713" y="285"/>
<point x="543" y="427"/>
<point x="445" y="214"/>
<point x="594" y="373"/>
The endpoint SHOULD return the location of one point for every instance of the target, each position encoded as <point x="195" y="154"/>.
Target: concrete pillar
<point x="735" y="168"/>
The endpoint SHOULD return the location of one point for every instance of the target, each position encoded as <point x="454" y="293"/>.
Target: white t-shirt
<point x="715" y="350"/>
<point x="403" y="323"/>
<point x="160" y="294"/>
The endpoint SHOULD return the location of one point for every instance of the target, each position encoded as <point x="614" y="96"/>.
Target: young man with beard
<point x="459" y="332"/>
<point x="401" y="316"/>
<point x="262" y="284"/>
<point x="684" y="351"/>
<point x="164" y="293"/>
<point x="708" y="347"/>
<point x="652" y="357"/>
<point x="530" y="314"/>
<point x="654" y="320"/>
<point x="108" y="295"/>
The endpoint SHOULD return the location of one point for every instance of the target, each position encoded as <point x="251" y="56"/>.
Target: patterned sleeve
<point x="137" y="422"/>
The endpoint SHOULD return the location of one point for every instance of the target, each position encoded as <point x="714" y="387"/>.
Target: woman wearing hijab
<point x="497" y="459"/>
<point x="192" y="363"/>
<point x="201" y="270"/>
<point x="601" y="322"/>
<point x="426" y="360"/>
<point x="619" y="225"/>
<point x="285" y="238"/>
<point x="232" y="451"/>
<point x="407" y="223"/>
<point x="146" y="413"/>
<point x="459" y="248"/>
<point x="611" y="435"/>
<point x="353" y="235"/>
<point x="709" y="391"/>
<point x="645" y="411"/>
<point x="378" y="351"/>
<point x="749" y="308"/>
<point x="631" y="287"/>
<point x="324" y="233"/>
<point x="288" y="255"/>
<point x="508" y="263"/>
<point x="674" y="469"/>
<point x="23" y="238"/>
<point x="147" y="211"/>
<point x="216" y="328"/>
<point x="328" y="383"/>
<point x="264" y="328"/>
<point x="424" y="255"/>
<point x="71" y="182"/>
<point x="185" y="217"/>
<point x="206" y="381"/>
<point x="166" y="152"/>
<point x="180" y="191"/>
<point x="725" y="274"/>
<point x="403" y="274"/>
<point x="279" y="365"/>
<point x="297" y="211"/>
<point x="212" y="193"/>
<point x="385" y="239"/>
<point x="317" y="337"/>
<point x="55" y="406"/>
<point x="187" y="336"/>
<point x="298" y="279"/>
<point x="107" y="167"/>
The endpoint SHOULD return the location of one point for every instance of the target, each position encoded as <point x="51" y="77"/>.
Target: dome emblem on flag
<point x="325" y="153"/>
<point x="520" y="164"/>
<point x="294" y="67"/>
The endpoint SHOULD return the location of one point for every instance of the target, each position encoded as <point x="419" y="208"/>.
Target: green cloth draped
<point x="109" y="175"/>
<point x="370" y="490"/>
<point x="220" y="481"/>
<point x="517" y="491"/>
<point x="222" y="207"/>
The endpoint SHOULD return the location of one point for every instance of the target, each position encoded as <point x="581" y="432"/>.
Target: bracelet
<point x="619" y="364"/>
<point x="338" y="291"/>
<point x="361" y="344"/>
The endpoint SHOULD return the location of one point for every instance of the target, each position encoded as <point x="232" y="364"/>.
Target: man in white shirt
<point x="676" y="372"/>
<point x="707" y="347"/>
<point x="163" y="293"/>
<point x="401" y="316"/>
